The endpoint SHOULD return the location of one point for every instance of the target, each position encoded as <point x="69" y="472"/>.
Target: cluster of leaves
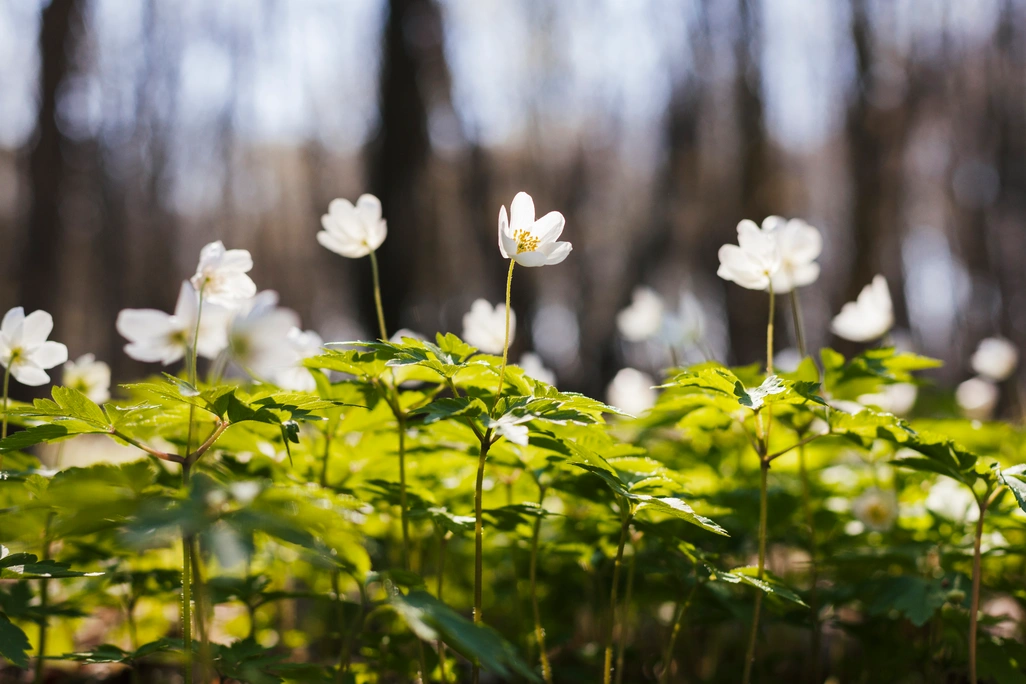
<point x="335" y="529"/>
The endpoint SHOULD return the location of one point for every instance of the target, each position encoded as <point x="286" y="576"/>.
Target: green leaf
<point x="452" y="407"/>
<point x="14" y="645"/>
<point x="750" y="575"/>
<point x="1015" y="479"/>
<point x="430" y="619"/>
<point x="678" y="509"/>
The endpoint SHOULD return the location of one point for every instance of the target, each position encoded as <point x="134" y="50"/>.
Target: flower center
<point x="526" y="241"/>
<point x="878" y="513"/>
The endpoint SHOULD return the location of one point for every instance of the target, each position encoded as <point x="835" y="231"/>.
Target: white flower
<point x="24" y="349"/>
<point x="258" y="336"/>
<point x="952" y="500"/>
<point x="687" y="324"/>
<point x="157" y="336"/>
<point x="996" y="359"/>
<point x="977" y="398"/>
<point x="897" y="398"/>
<point x="529" y="242"/>
<point x="88" y="376"/>
<point x="877" y="509"/>
<point x="221" y="275"/>
<point x="484" y="327"/>
<point x="868" y="317"/>
<point x="399" y="334"/>
<point x="798" y="244"/>
<point x="353" y="231"/>
<point x="643" y="318"/>
<point x="297" y="377"/>
<point x="631" y="391"/>
<point x="752" y="262"/>
<point x="533" y="367"/>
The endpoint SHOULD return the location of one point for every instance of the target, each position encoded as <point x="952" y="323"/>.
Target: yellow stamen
<point x="526" y="241"/>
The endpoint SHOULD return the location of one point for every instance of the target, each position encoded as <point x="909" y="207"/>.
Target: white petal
<point x="13" y="319"/>
<point x="369" y="208"/>
<point x="506" y="244"/>
<point x="237" y="260"/>
<point x="532" y="259"/>
<point x="521" y="212"/>
<point x="49" y="354"/>
<point x="36" y="328"/>
<point x="141" y="324"/>
<point x="188" y="301"/>
<point x="29" y="374"/>
<point x="549" y="227"/>
<point x="342" y="246"/>
<point x="556" y="252"/>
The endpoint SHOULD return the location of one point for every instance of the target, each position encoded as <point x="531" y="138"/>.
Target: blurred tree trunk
<point x="399" y="155"/>
<point x="48" y="168"/>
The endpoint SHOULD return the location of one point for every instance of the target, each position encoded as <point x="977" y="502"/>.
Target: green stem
<point x="625" y="628"/>
<point x="7" y="386"/>
<point x="769" y="330"/>
<point x="608" y="665"/>
<point x="377" y="296"/>
<point x="505" y="344"/>
<point x="479" y="543"/>
<point x="664" y="676"/>
<point x="186" y="590"/>
<point x="974" y="603"/>
<point x="357" y="626"/>
<point x="328" y="432"/>
<point x="813" y="570"/>
<point x="401" y="419"/>
<point x="206" y="665"/>
<point x="44" y="600"/>
<point x="799" y="328"/>
<point x="441" y="577"/>
<point x="340" y="615"/>
<point x="539" y="631"/>
<point x="750" y="654"/>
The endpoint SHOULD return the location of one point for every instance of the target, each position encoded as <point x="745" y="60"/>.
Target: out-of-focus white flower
<point x="897" y="398"/>
<point x="977" y="398"/>
<point x="88" y="376"/>
<point x="687" y="324"/>
<point x="297" y="377"/>
<point x="868" y="317"/>
<point x="643" y="318"/>
<point x="399" y="334"/>
<point x="799" y="245"/>
<point x="754" y="261"/>
<point x="995" y="359"/>
<point x="533" y="367"/>
<point x="952" y="500"/>
<point x="158" y="336"/>
<point x="631" y="391"/>
<point x="24" y="349"/>
<point x="877" y="509"/>
<point x="258" y="336"/>
<point x="529" y="242"/>
<point x="353" y="231"/>
<point x="221" y="275"/>
<point x="484" y="326"/>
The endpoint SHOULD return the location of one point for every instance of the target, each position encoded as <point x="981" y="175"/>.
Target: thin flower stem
<point x="505" y="344"/>
<point x="377" y="296"/>
<point x="625" y="627"/>
<point x="441" y="583"/>
<point x="201" y="627"/>
<point x="328" y="433"/>
<point x="607" y="671"/>
<point x="799" y="328"/>
<point x="479" y="543"/>
<point x="402" y="489"/>
<point x="813" y="569"/>
<point x="7" y="386"/>
<point x="750" y="654"/>
<point x="539" y="631"/>
<point x="799" y="444"/>
<point x="769" y="330"/>
<point x="974" y="603"/>
<point x="186" y="590"/>
<point x="664" y="676"/>
<point x="44" y="599"/>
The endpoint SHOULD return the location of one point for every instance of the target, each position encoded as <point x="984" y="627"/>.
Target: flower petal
<point x="531" y="259"/>
<point x="36" y="328"/>
<point x="506" y="244"/>
<point x="49" y="354"/>
<point x="369" y="208"/>
<point x="29" y="374"/>
<point x="342" y="246"/>
<point x="556" y="252"/>
<point x="12" y="322"/>
<point x="549" y="227"/>
<point x="143" y="324"/>
<point x="521" y="212"/>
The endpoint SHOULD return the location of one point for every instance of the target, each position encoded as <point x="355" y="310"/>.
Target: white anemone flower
<point x="753" y="261"/>
<point x="529" y="242"/>
<point x="996" y="359"/>
<point x="88" y="376"/>
<point x="897" y="398"/>
<point x="631" y="391"/>
<point x="154" y="335"/>
<point x="798" y="245"/>
<point x="868" y="317"/>
<point x="952" y="500"/>
<point x="977" y="397"/>
<point x="399" y="334"/>
<point x="221" y="275"/>
<point x="877" y="509"/>
<point x="258" y="336"/>
<point x="353" y="231"/>
<point x="643" y="318"/>
<point x="297" y="377"/>
<point x="533" y="367"/>
<point x="24" y="350"/>
<point x="484" y="326"/>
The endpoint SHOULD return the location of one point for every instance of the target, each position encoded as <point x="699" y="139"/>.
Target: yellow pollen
<point x="526" y="242"/>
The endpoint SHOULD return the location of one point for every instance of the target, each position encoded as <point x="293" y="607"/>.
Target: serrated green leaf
<point x="14" y="645"/>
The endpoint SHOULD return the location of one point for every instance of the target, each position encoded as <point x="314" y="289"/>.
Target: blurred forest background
<point x="133" y="132"/>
